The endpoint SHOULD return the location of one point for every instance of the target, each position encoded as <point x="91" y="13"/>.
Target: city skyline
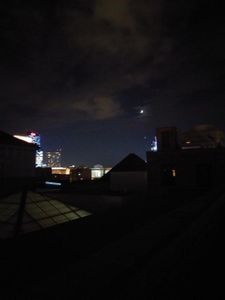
<point x="96" y="78"/>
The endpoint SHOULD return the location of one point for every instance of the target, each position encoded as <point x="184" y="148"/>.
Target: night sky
<point x="80" y="72"/>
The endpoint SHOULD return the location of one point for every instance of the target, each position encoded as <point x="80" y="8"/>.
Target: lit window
<point x="174" y="173"/>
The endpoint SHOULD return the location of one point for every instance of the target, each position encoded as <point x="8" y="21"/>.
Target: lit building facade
<point x="72" y="173"/>
<point x="33" y="138"/>
<point x="98" y="171"/>
<point x="53" y="158"/>
<point x="60" y="171"/>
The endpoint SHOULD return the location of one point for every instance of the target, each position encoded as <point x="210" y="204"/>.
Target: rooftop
<point x="7" y="139"/>
<point x="40" y="212"/>
<point x="130" y="163"/>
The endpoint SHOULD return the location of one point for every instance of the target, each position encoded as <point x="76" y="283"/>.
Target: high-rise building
<point x="53" y="158"/>
<point x="34" y="138"/>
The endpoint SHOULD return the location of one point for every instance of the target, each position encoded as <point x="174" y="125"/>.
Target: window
<point x="168" y="175"/>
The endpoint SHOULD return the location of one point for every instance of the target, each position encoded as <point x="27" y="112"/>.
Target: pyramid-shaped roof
<point x="40" y="212"/>
<point x="131" y="163"/>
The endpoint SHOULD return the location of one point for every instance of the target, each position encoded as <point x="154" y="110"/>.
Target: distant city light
<point x="154" y="146"/>
<point x="32" y="134"/>
<point x="58" y="168"/>
<point x="27" y="139"/>
<point x="141" y="111"/>
<point x="53" y="158"/>
<point x="39" y="158"/>
<point x="52" y="183"/>
<point x="98" y="171"/>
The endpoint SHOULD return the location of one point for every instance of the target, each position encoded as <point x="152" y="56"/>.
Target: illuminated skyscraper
<point x="154" y="145"/>
<point x="53" y="158"/>
<point x="33" y="137"/>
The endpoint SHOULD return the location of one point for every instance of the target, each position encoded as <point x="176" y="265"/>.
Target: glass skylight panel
<point x="72" y="216"/>
<point x="34" y="197"/>
<point x="73" y="208"/>
<point x="56" y="203"/>
<point x="30" y="200"/>
<point x="52" y="213"/>
<point x="60" y="219"/>
<point x="46" y="222"/>
<point x="44" y="205"/>
<point x="64" y="210"/>
<point x="35" y="211"/>
<point x="39" y="212"/>
<point x="82" y="213"/>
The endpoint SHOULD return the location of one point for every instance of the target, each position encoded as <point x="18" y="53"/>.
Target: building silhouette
<point x="17" y="161"/>
<point x="175" y="167"/>
<point x="129" y="175"/>
<point x="203" y="136"/>
<point x="35" y="138"/>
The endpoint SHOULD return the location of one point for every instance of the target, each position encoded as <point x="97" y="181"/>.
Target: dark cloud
<point x="96" y="61"/>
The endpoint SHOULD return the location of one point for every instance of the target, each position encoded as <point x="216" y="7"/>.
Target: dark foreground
<point x="139" y="253"/>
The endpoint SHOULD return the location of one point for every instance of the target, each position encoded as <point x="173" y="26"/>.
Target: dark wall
<point x="187" y="169"/>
